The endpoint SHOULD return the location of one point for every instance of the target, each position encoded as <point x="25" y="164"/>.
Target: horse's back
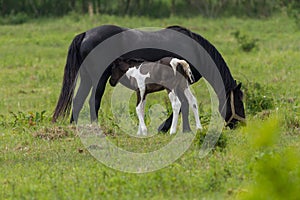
<point x="97" y="35"/>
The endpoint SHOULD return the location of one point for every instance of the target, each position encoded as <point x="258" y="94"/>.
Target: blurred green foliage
<point x="277" y="171"/>
<point x="151" y="8"/>
<point x="245" y="42"/>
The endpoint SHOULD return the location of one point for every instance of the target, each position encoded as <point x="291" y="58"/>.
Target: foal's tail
<point x="185" y="67"/>
<point x="74" y="60"/>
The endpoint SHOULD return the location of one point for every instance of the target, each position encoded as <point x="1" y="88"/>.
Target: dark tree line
<point x="152" y="8"/>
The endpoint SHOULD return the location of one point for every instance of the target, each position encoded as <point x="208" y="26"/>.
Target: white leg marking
<point x="176" y="104"/>
<point x="140" y="79"/>
<point x="194" y="105"/>
<point x="140" y="113"/>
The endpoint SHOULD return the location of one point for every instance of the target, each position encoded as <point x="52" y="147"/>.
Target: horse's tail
<point x="74" y="60"/>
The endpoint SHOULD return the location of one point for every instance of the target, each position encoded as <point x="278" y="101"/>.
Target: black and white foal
<point x="145" y="77"/>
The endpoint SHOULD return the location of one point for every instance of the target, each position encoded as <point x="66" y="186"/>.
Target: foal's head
<point x="118" y="69"/>
<point x="120" y="66"/>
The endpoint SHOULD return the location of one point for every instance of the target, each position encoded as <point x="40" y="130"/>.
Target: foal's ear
<point x="124" y="66"/>
<point x="238" y="87"/>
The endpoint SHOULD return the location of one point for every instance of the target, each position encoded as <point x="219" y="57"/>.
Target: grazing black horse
<point x="145" y="77"/>
<point x="202" y="56"/>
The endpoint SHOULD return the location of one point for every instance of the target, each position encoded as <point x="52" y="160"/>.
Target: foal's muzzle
<point x="192" y="78"/>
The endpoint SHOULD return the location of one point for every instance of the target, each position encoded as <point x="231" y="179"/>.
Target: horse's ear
<point x="238" y="87"/>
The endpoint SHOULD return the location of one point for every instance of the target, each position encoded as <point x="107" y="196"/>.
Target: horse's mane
<point x="214" y="54"/>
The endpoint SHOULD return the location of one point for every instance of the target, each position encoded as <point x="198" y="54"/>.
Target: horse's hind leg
<point x="100" y="90"/>
<point x="176" y="108"/>
<point x="194" y="105"/>
<point x="81" y="95"/>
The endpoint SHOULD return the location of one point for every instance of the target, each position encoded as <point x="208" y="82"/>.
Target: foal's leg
<point x="165" y="126"/>
<point x="184" y="110"/>
<point x="140" y="112"/>
<point x="194" y="105"/>
<point x="176" y="108"/>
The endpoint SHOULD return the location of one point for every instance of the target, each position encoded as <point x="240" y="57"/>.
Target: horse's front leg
<point x="176" y="108"/>
<point x="100" y="89"/>
<point x="93" y="113"/>
<point x="194" y="105"/>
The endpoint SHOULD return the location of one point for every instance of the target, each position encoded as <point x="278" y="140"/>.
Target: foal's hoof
<point x="199" y="128"/>
<point x="142" y="133"/>
<point x="186" y="130"/>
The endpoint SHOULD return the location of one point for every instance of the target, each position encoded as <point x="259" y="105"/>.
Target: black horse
<point x="202" y="56"/>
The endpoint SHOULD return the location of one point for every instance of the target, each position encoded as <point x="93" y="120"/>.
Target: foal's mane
<point x="228" y="80"/>
<point x="132" y="60"/>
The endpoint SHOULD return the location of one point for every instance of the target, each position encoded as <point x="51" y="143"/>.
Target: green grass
<point x="41" y="160"/>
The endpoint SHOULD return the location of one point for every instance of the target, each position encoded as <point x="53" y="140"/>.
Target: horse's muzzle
<point x="113" y="82"/>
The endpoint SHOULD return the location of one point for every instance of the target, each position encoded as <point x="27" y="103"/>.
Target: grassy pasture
<point x="40" y="160"/>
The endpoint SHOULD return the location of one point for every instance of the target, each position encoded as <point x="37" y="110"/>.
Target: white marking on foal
<point x="176" y="104"/>
<point x="140" y="80"/>
<point x="174" y="62"/>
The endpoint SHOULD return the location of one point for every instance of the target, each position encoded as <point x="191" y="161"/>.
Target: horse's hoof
<point x="162" y="128"/>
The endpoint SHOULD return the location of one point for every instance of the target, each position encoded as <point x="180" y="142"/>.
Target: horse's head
<point x="118" y="69"/>
<point x="235" y="111"/>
